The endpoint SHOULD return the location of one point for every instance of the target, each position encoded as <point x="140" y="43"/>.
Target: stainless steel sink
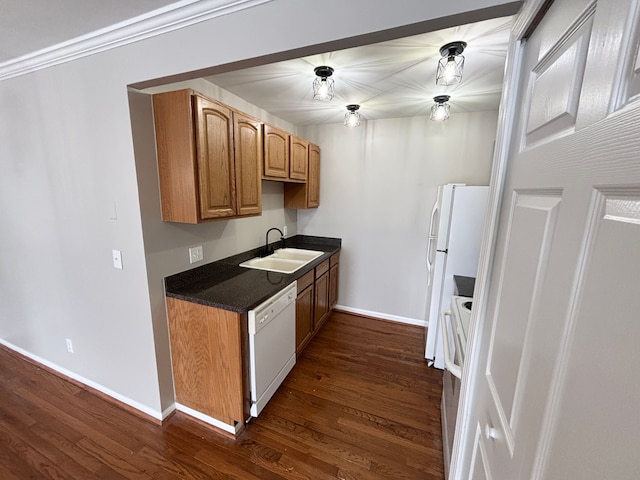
<point x="283" y="260"/>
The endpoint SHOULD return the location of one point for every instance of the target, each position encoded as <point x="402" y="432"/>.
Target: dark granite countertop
<point x="224" y="284"/>
<point x="464" y="285"/>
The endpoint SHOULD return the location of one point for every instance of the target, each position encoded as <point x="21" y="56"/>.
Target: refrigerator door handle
<point x="430" y="242"/>
<point x="432" y="238"/>
<point x="432" y="223"/>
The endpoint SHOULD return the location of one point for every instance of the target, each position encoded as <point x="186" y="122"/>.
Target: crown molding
<point x="172" y="17"/>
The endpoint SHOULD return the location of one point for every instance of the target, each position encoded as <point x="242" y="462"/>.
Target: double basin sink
<point x="283" y="260"/>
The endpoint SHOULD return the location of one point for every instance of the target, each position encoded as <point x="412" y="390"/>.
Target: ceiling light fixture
<point x="440" y="109"/>
<point x="323" y="84"/>
<point x="450" y="65"/>
<point x="352" y="117"/>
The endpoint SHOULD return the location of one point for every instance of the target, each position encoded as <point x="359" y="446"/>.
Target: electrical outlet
<point x="195" y="254"/>
<point x="284" y="231"/>
<point x="117" y="259"/>
<point x="69" y="345"/>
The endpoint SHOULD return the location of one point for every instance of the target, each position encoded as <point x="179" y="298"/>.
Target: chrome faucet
<point x="267" y="250"/>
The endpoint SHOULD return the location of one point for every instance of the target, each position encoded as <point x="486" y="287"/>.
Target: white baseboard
<point x="210" y="420"/>
<point x="90" y="383"/>
<point x="169" y="410"/>
<point x="383" y="316"/>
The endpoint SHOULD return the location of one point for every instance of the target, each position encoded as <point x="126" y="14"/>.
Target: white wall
<point x="378" y="183"/>
<point x="69" y="193"/>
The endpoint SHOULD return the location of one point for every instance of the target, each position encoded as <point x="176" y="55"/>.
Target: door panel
<point x="554" y="391"/>
<point x="601" y="392"/>
<point x="630" y="81"/>
<point x="479" y="465"/>
<point x="556" y="83"/>
<point x="529" y="240"/>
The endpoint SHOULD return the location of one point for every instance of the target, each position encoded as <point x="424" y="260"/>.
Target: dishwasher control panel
<point x="269" y="309"/>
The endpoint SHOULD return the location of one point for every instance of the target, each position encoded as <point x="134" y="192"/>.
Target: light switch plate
<point x="117" y="259"/>
<point x="195" y="254"/>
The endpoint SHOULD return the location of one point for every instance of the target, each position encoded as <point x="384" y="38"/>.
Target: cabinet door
<point x="304" y="318"/>
<point x="313" y="178"/>
<point x="299" y="157"/>
<point x="333" y="285"/>
<point x="276" y="153"/>
<point x="177" y="163"/>
<point x="216" y="175"/>
<point x="321" y="309"/>
<point x="247" y="140"/>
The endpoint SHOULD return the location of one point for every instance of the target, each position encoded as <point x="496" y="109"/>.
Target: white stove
<point x="460" y="317"/>
<point x="455" y="333"/>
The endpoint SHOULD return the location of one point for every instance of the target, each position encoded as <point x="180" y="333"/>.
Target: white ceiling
<point x="388" y="80"/>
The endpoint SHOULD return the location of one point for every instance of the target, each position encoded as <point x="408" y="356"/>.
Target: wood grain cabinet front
<point x="317" y="295"/>
<point x="209" y="158"/>
<point x="304" y="311"/>
<point x="207" y="350"/>
<point x="276" y="153"/>
<point x="299" y="158"/>
<point x="321" y="308"/>
<point x="334" y="272"/>
<point x="306" y="195"/>
<point x="286" y="157"/>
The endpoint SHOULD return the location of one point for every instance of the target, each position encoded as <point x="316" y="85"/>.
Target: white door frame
<point x="525" y="21"/>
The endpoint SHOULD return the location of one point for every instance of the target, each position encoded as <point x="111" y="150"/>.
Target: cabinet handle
<point x="490" y="433"/>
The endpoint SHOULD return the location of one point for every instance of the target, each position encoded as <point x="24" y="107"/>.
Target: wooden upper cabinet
<point x="209" y="158"/>
<point x="276" y="153"/>
<point x="313" y="180"/>
<point x="305" y="195"/>
<point x="248" y="163"/>
<point x="299" y="158"/>
<point x="216" y="170"/>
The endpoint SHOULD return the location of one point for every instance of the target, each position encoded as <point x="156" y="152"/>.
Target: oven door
<point x="450" y="384"/>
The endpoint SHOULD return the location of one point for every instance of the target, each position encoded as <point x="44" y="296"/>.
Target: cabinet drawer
<point x="335" y="259"/>
<point x="305" y="281"/>
<point x="322" y="268"/>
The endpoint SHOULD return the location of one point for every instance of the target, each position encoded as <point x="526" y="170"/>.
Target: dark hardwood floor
<point x="359" y="404"/>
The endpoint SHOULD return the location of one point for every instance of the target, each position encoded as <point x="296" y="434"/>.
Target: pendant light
<point x="352" y="117"/>
<point x="323" y="84"/>
<point x="440" y="109"/>
<point x="450" y="65"/>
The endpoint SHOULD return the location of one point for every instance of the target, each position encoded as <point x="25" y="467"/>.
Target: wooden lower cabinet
<point x="334" y="273"/>
<point x="321" y="310"/>
<point x="207" y="351"/>
<point x="314" y="303"/>
<point x="304" y="310"/>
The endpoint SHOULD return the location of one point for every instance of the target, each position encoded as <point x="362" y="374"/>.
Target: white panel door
<point x="557" y="380"/>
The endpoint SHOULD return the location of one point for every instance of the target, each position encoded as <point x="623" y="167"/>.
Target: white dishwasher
<point x="272" y="345"/>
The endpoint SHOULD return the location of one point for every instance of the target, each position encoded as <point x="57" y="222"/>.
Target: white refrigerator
<point x="453" y="248"/>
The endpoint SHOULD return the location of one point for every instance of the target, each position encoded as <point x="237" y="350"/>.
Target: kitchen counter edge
<point x="224" y="284"/>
